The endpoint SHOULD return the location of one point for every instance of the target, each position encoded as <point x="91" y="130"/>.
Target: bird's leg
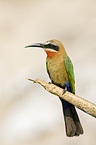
<point x="50" y="82"/>
<point x="66" y="88"/>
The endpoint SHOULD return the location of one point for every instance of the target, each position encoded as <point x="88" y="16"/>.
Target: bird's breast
<point x="57" y="71"/>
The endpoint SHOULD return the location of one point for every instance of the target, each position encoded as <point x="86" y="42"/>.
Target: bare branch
<point x="77" y="101"/>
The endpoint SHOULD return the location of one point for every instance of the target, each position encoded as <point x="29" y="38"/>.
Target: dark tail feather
<point x="72" y="122"/>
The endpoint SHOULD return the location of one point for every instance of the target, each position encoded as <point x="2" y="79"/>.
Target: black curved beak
<point x="44" y="45"/>
<point x="36" y="45"/>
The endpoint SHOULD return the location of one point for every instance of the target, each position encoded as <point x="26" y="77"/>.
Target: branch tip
<point x="31" y="80"/>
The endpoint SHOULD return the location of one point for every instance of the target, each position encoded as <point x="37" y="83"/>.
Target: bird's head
<point x="51" y="47"/>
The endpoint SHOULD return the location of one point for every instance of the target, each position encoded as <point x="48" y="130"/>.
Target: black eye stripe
<point x="52" y="46"/>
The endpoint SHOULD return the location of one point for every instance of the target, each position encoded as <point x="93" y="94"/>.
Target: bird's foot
<point x="66" y="88"/>
<point x="50" y="82"/>
<point x="64" y="91"/>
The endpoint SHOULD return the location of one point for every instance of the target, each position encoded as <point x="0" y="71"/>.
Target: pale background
<point x="28" y="114"/>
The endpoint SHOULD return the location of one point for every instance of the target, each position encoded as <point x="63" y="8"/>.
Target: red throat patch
<point x="50" y="53"/>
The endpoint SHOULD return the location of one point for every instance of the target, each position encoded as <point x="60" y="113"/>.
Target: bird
<point x="61" y="72"/>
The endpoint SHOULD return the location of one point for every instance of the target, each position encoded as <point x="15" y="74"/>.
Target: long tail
<point x="72" y="122"/>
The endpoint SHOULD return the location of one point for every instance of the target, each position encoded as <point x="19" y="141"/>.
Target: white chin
<point x="48" y="49"/>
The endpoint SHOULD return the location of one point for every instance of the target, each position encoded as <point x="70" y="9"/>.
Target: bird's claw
<point x="49" y="82"/>
<point x="66" y="88"/>
<point x="64" y="91"/>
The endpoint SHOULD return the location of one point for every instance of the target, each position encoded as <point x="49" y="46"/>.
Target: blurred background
<point x="29" y="115"/>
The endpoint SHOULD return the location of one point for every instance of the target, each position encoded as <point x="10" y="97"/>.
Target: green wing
<point x="47" y="69"/>
<point x="70" y="72"/>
